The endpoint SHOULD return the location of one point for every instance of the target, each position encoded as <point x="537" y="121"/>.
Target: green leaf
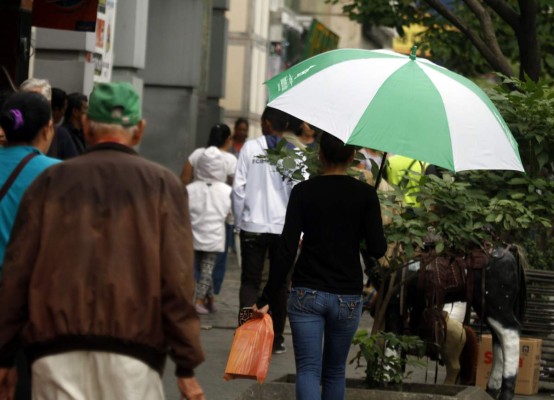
<point x="517" y="181"/>
<point x="289" y="163"/>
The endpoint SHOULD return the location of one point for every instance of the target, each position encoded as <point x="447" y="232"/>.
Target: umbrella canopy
<point x="398" y="104"/>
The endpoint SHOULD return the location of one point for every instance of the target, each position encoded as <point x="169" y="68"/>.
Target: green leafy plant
<point x="379" y="352"/>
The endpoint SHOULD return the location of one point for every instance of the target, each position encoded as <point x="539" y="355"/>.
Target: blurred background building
<point x="194" y="62"/>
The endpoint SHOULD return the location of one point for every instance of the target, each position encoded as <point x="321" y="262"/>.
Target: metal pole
<point x="380" y="173"/>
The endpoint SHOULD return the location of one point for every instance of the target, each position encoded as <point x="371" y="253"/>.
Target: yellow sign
<point x="404" y="44"/>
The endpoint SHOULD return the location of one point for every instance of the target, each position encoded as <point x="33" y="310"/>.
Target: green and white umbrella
<point x="398" y="104"/>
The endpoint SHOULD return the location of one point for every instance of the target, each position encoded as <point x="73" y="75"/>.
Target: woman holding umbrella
<point x="335" y="213"/>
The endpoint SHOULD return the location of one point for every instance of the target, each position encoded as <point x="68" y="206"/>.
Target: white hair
<point x="37" y="85"/>
<point x="104" y="128"/>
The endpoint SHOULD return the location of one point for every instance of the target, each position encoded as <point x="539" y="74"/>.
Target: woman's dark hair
<point x="218" y="135"/>
<point x="23" y="115"/>
<point x="4" y="95"/>
<point x="59" y="98"/>
<point x="74" y="102"/>
<point x="334" y="150"/>
<point x="241" y="120"/>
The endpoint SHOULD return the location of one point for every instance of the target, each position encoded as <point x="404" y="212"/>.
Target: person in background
<point x="77" y="104"/>
<point x="293" y="133"/>
<point x="209" y="205"/>
<point x="239" y="137"/>
<point x="300" y="134"/>
<point x="307" y="134"/>
<point x="220" y="137"/>
<point x="335" y="213"/>
<point x="405" y="173"/>
<point x="97" y="281"/>
<point x="62" y="146"/>
<point x="37" y="85"/>
<point x="59" y="105"/>
<point x="25" y="118"/>
<point x="369" y="156"/>
<point x="26" y="121"/>
<point x="260" y="196"/>
<point x="240" y="134"/>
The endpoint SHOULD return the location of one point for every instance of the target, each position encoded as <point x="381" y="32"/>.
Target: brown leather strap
<point x="15" y="173"/>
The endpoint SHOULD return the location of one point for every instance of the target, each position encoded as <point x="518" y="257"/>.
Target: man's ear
<point x="137" y="136"/>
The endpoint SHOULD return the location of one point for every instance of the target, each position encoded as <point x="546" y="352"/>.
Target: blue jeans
<point x="323" y="325"/>
<point x="221" y="263"/>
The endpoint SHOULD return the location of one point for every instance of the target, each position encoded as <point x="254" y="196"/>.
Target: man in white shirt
<point x="260" y="196"/>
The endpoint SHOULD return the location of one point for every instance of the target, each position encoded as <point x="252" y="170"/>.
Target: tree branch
<point x="486" y="25"/>
<point x="495" y="59"/>
<point x="505" y="12"/>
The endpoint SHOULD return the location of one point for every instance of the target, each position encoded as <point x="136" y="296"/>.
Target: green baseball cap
<point x="114" y="103"/>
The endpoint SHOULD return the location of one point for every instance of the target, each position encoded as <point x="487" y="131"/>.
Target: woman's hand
<point x="259" y="312"/>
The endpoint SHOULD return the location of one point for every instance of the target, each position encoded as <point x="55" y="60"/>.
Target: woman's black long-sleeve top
<point x="335" y="213"/>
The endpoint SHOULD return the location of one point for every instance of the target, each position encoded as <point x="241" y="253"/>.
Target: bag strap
<point x="15" y="173"/>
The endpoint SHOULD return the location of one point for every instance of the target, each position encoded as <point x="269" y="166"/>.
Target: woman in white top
<point x="209" y="206"/>
<point x="220" y="137"/>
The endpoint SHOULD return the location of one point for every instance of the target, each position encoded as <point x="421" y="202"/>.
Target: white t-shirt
<point x="230" y="161"/>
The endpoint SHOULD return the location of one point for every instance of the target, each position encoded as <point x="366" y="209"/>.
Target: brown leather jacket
<point x="101" y="259"/>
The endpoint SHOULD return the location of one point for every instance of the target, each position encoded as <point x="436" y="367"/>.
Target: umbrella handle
<point x="380" y="173"/>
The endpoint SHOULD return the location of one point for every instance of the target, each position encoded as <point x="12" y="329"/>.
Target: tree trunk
<point x="529" y="51"/>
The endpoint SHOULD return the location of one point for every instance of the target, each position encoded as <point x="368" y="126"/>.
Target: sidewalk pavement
<point x="217" y="336"/>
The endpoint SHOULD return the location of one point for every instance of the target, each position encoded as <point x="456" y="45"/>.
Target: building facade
<point x="268" y="36"/>
<point x="194" y="62"/>
<point x="172" y="51"/>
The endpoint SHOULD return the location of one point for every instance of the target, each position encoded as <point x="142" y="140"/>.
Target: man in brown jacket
<point x="97" y="280"/>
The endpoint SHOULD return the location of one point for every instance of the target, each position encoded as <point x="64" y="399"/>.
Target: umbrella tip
<point x="413" y="53"/>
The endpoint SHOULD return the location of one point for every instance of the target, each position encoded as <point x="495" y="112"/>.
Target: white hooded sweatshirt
<point x="260" y="193"/>
<point x="209" y="201"/>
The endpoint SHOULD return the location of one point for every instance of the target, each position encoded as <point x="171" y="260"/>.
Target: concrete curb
<point x="284" y="389"/>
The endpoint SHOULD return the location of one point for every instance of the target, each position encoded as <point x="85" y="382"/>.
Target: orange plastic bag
<point x="251" y="350"/>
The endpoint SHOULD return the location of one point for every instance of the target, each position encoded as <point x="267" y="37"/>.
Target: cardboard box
<point x="529" y="364"/>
